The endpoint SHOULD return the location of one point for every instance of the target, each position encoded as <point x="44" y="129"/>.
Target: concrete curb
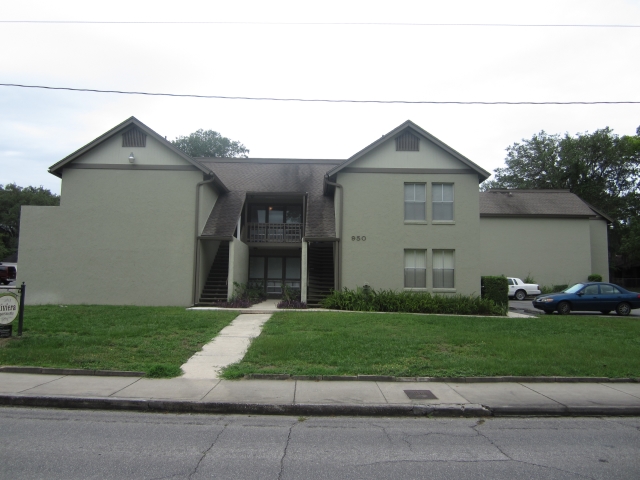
<point x="70" y="371"/>
<point x="396" y="410"/>
<point x="388" y="378"/>
<point x="186" y="406"/>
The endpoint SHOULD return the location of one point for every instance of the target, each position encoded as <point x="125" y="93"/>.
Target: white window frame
<point x="413" y="201"/>
<point x="415" y="269"/>
<point x="441" y="260"/>
<point x="438" y="198"/>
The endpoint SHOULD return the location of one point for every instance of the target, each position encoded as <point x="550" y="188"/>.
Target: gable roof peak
<point x="56" y="169"/>
<point x="408" y="124"/>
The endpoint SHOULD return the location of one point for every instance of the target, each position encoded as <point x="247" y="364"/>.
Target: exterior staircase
<point x="215" y="288"/>
<point x="320" y="265"/>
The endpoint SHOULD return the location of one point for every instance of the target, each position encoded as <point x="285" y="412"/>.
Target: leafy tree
<point x="208" y="143"/>
<point x="12" y="197"/>
<point x="601" y="167"/>
<point x="630" y="244"/>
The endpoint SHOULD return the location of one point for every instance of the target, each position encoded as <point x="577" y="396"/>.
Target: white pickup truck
<point x="520" y="290"/>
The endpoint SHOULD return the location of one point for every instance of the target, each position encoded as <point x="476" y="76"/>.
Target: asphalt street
<point x="64" y="444"/>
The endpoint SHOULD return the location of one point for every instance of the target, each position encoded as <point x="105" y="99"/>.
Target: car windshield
<point x="577" y="287"/>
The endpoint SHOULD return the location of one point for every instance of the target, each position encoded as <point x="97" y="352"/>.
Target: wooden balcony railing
<point x="275" y="232"/>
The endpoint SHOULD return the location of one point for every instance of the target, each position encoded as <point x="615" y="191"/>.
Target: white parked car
<point x="520" y="290"/>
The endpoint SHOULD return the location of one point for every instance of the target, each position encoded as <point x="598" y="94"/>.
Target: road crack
<point x="206" y="452"/>
<point x="284" y="453"/>
<point x="509" y="457"/>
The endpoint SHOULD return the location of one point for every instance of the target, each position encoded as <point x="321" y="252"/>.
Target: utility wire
<point x="387" y="24"/>
<point x="320" y="100"/>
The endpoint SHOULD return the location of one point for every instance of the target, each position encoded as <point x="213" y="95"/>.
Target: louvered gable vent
<point x="407" y="142"/>
<point x="134" y="137"/>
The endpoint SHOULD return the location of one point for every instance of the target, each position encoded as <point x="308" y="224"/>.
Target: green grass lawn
<point x="319" y="343"/>
<point x="155" y="340"/>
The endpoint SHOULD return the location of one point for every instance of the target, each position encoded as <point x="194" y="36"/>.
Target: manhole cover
<point x="420" y="395"/>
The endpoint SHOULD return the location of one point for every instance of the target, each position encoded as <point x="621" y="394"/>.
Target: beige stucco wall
<point x="374" y="208"/>
<point x="599" y="248"/>
<point x="429" y="156"/>
<point x="553" y="251"/>
<point x="119" y="236"/>
<point x="238" y="264"/>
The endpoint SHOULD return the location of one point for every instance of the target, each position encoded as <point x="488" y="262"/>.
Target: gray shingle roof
<point x="270" y="176"/>
<point x="554" y="203"/>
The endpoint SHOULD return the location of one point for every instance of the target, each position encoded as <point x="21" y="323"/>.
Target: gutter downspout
<point x="196" y="269"/>
<point x="339" y="262"/>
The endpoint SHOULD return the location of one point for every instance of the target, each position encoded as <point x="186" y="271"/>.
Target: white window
<point x="443" y="270"/>
<point x="442" y="200"/>
<point x="415" y="198"/>
<point x="415" y="268"/>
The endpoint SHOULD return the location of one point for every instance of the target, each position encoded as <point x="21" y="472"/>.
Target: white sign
<point x="9" y="307"/>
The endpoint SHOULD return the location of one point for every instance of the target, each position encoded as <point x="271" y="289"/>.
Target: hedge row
<point x="496" y="289"/>
<point x="370" y="300"/>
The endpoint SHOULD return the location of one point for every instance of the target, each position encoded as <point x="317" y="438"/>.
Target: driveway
<point x="526" y="307"/>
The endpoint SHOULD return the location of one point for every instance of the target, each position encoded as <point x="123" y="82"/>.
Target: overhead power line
<point x="386" y="24"/>
<point x="321" y="100"/>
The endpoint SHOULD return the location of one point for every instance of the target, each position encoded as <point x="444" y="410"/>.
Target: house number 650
<point x="358" y="238"/>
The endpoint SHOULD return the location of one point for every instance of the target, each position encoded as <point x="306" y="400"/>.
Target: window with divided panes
<point x="415" y="199"/>
<point x="415" y="268"/>
<point x="443" y="269"/>
<point x="442" y="201"/>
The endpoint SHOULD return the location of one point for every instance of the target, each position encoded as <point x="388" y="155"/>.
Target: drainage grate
<point x="420" y="395"/>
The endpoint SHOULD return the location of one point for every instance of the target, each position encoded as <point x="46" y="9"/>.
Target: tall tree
<point x="12" y="197"/>
<point x="207" y="143"/>
<point x="601" y="167"/>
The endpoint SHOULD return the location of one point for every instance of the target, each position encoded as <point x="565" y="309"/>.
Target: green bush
<point x="529" y="279"/>
<point x="371" y="300"/>
<point x="595" y="277"/>
<point x="553" y="288"/>
<point x="252" y="292"/>
<point x="496" y="289"/>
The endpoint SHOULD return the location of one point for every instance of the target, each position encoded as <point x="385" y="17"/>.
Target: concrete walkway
<point x="304" y="397"/>
<point x="228" y="347"/>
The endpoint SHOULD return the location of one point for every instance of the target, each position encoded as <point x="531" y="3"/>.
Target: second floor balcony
<point x="273" y="220"/>
<point x="274" y="233"/>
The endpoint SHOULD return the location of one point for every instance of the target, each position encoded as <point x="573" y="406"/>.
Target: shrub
<point x="253" y="292"/>
<point x="234" y="303"/>
<point x="371" y="300"/>
<point x="244" y="295"/>
<point x="553" y="288"/>
<point x="292" y="304"/>
<point x="595" y="277"/>
<point x="496" y="289"/>
<point x="529" y="279"/>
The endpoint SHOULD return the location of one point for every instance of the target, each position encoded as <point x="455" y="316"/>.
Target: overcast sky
<point x="356" y="62"/>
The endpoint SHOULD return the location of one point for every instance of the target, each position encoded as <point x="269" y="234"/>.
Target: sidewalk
<point x="305" y="397"/>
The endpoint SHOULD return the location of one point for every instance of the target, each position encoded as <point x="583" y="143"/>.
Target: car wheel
<point x="623" y="309"/>
<point x="605" y="312"/>
<point x="564" y="308"/>
<point x="521" y="295"/>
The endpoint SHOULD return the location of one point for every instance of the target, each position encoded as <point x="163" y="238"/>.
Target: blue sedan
<point x="593" y="296"/>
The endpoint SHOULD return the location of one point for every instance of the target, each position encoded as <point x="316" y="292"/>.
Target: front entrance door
<point x="274" y="272"/>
